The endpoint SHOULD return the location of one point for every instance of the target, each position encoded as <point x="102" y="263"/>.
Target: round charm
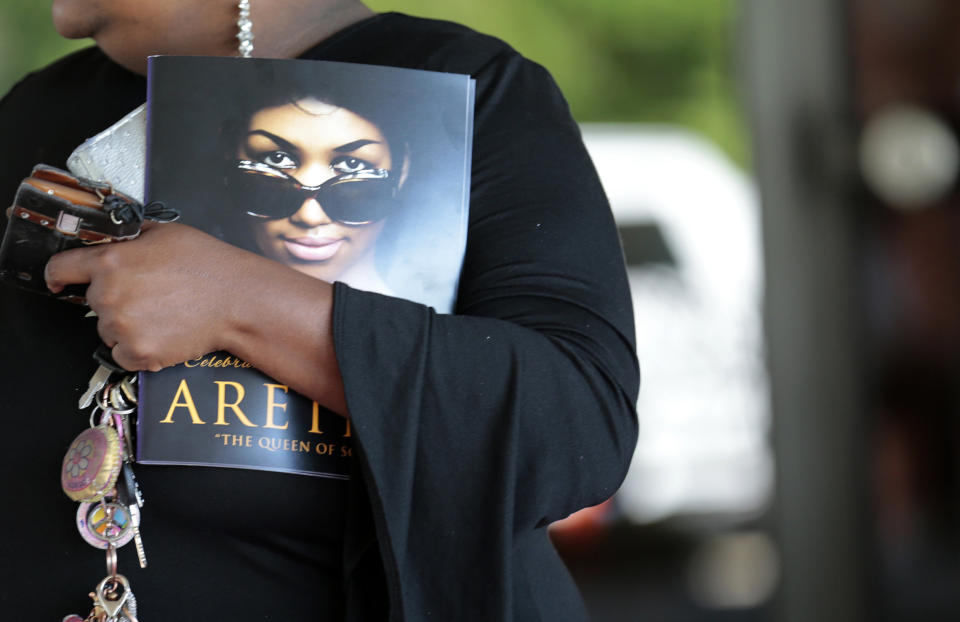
<point x="103" y="524"/>
<point x="92" y="464"/>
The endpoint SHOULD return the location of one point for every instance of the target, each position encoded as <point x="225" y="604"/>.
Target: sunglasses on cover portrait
<point x="358" y="198"/>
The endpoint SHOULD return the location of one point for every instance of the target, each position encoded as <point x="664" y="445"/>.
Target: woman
<point x="344" y="175"/>
<point x="472" y="431"/>
<point x="317" y="183"/>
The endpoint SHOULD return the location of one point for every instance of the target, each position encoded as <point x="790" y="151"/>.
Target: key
<point x="128" y="448"/>
<point x="121" y="423"/>
<point x="97" y="382"/>
<point x="128" y="489"/>
<point x="137" y="540"/>
<point x="128" y="494"/>
<point x="106" y="368"/>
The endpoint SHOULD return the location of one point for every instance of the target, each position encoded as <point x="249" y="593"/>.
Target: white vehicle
<point x="689" y="220"/>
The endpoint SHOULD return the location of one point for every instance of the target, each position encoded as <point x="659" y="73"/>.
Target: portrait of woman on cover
<point x="317" y="184"/>
<point x="339" y="178"/>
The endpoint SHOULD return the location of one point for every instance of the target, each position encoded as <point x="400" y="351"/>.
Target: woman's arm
<point x="176" y="293"/>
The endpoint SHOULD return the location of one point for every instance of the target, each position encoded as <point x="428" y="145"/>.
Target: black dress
<point x="472" y="431"/>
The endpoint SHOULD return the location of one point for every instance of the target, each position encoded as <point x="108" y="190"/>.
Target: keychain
<point x="93" y="462"/>
<point x="97" y="472"/>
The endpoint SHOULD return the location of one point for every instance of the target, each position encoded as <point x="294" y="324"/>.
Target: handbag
<point x="54" y="211"/>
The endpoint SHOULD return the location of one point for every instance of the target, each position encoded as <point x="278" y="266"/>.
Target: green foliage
<point x="653" y="61"/>
<point x="28" y="40"/>
<point x="659" y="61"/>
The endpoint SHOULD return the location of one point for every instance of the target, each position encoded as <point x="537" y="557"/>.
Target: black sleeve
<point x="473" y="428"/>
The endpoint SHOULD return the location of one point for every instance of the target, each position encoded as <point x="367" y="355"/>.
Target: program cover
<point x="345" y="172"/>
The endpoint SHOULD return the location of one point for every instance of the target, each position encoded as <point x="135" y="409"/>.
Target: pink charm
<point x="92" y="464"/>
<point x="102" y="524"/>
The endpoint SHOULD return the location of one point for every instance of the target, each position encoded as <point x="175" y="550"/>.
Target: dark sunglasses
<point x="358" y="198"/>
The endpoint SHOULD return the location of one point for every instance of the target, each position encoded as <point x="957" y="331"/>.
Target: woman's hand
<point x="176" y="293"/>
<point x="161" y="299"/>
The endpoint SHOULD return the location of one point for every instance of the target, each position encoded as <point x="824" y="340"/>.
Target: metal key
<point x="97" y="382"/>
<point x="107" y="367"/>
<point x="137" y="540"/>
<point x="128" y="490"/>
<point x="128" y="494"/>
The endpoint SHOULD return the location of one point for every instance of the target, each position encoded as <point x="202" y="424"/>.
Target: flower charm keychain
<point x="93" y="463"/>
<point x="97" y="473"/>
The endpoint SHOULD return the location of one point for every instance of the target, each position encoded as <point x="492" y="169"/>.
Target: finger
<point x="123" y="358"/>
<point x="110" y="340"/>
<point x="69" y="267"/>
<point x="132" y="361"/>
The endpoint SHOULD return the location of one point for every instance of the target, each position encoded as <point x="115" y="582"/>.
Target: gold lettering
<point x="347" y="433"/>
<point x="222" y="404"/>
<point x="315" y="428"/>
<point x="272" y="405"/>
<point x="286" y="444"/>
<point x="235" y="440"/>
<point x="184" y="391"/>
<point x="212" y="360"/>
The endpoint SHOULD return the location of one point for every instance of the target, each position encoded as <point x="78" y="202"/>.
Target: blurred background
<point x="784" y="175"/>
